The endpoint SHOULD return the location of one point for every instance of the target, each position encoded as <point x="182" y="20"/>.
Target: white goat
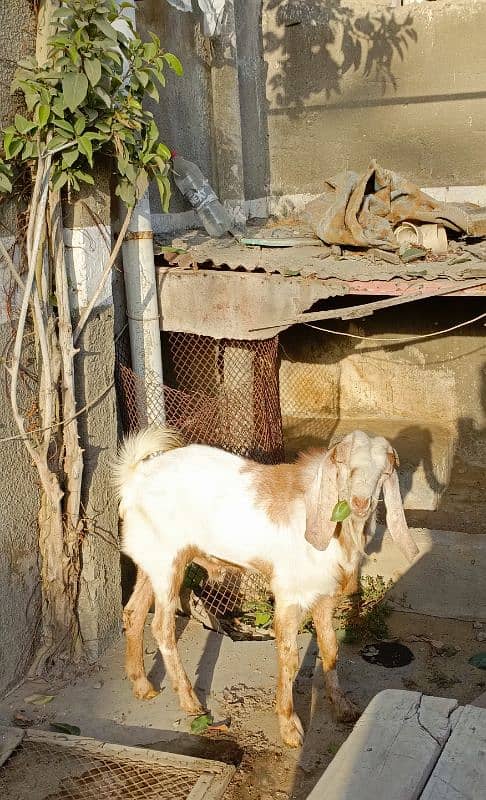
<point x="180" y="504"/>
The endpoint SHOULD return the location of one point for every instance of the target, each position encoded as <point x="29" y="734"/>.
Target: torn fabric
<point x="212" y="11"/>
<point x="363" y="210"/>
<point x="181" y="5"/>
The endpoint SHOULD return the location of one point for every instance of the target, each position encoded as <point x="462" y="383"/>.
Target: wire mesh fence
<point x="223" y="393"/>
<point x="44" y="766"/>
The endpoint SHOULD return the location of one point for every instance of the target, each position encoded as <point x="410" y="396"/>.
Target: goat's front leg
<point x="164" y="630"/>
<point x="322" y="614"/>
<point x="134" y="616"/>
<point x="287" y="621"/>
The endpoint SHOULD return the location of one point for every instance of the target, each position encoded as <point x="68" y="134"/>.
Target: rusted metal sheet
<point x="228" y="305"/>
<point x="257" y="306"/>
<point x="319" y="262"/>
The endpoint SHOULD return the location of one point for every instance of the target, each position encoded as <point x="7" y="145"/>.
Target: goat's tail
<point x="138" y="446"/>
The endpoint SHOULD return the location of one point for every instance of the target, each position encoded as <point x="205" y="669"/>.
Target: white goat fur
<point x="174" y="499"/>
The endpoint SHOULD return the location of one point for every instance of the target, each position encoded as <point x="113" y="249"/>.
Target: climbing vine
<point x="84" y="104"/>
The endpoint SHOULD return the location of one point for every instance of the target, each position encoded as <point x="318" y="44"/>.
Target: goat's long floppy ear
<point x="322" y="498"/>
<point x="395" y="517"/>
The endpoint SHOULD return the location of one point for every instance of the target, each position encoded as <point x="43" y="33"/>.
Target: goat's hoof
<point x="346" y="710"/>
<point x="192" y="707"/>
<point x="291" y="731"/>
<point x="143" y="690"/>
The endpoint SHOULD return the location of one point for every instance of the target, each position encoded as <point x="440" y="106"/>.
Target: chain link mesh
<point x="223" y="393"/>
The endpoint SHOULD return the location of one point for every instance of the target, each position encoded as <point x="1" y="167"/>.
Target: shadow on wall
<point x="440" y="436"/>
<point x="319" y="43"/>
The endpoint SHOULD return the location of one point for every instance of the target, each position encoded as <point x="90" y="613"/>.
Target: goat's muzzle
<point x="360" y="505"/>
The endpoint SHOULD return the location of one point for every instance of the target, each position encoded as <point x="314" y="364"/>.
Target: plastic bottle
<point x="196" y="189"/>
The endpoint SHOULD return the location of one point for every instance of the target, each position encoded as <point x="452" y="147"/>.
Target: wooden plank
<point x="391" y="751"/>
<point x="460" y="773"/>
<point x="127" y="753"/>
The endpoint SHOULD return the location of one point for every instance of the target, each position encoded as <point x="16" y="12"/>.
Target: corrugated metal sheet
<point x="320" y="262"/>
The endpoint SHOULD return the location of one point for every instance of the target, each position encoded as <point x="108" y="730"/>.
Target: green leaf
<point x="14" y="147"/>
<point x="104" y="26"/>
<point x="31" y="96"/>
<point x="64" y="126"/>
<point x="86" y="147"/>
<point x="63" y="727"/>
<point x="28" y="150"/>
<point x="126" y="192"/>
<point x="57" y="141"/>
<point x="39" y="699"/>
<point x="152" y="91"/>
<point x="103" y="95"/>
<point x="79" y="126"/>
<point x="262" y="618"/>
<point x="43" y="114"/>
<point x="24" y="125"/>
<point x="201" y="723"/>
<point x="5" y="183"/>
<point x="85" y="177"/>
<point x="69" y="157"/>
<point x="92" y="68"/>
<point x="163" y="150"/>
<point x="142" y="77"/>
<point x="61" y="13"/>
<point x="75" y="89"/>
<point x="163" y="184"/>
<point x="59" y="179"/>
<point x="174" y="63"/>
<point x="341" y="511"/>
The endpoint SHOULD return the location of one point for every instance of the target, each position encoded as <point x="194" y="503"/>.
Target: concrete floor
<point x="237" y="680"/>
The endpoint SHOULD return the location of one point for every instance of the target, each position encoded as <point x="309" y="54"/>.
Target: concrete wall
<point x="350" y="81"/>
<point x="19" y="574"/>
<point x="326" y="86"/>
<point x="428" y="397"/>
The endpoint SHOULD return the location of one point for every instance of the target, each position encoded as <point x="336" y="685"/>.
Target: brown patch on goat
<point x="278" y="486"/>
<point x="262" y="566"/>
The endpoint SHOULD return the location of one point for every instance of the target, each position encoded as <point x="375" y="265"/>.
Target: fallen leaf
<point x="201" y="723"/>
<point x="63" y="727"/>
<point x="39" y="699"/>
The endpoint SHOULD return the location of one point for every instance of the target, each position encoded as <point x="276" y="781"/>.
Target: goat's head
<point x="357" y="469"/>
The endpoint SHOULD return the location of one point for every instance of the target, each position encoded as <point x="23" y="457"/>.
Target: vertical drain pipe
<point x="142" y="302"/>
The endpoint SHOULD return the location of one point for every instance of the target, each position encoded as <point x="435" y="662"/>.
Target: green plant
<point x="258" y="613"/>
<point x="85" y="101"/>
<point x="365" y="615"/>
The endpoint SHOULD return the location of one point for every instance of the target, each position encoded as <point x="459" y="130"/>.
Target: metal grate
<point x="46" y="766"/>
<point x="223" y="393"/>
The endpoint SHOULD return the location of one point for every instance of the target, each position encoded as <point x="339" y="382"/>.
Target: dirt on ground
<point x="269" y="771"/>
<point x="239" y="688"/>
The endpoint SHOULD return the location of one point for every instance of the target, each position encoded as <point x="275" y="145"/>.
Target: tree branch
<point x="109" y="265"/>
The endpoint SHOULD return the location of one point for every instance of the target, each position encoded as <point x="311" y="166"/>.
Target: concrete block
<point x="391" y="751"/>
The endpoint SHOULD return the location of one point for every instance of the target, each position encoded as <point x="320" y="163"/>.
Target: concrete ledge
<point x="444" y="581"/>
<point x="392" y="750"/>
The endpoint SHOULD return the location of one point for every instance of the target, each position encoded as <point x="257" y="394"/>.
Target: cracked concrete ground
<point x="237" y="680"/>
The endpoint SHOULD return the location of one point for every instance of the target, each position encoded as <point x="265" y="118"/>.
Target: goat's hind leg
<point x="134" y="616"/>
<point x="166" y="597"/>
